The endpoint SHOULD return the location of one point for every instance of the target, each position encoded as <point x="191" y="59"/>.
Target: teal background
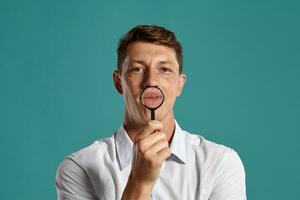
<point x="57" y="94"/>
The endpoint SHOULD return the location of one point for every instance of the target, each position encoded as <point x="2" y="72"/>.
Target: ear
<point x="182" y="79"/>
<point x="117" y="81"/>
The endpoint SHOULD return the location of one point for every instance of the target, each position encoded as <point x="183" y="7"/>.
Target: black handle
<point x="152" y="115"/>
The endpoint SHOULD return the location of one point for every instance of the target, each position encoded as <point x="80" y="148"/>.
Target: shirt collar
<point x="124" y="146"/>
<point x="178" y="145"/>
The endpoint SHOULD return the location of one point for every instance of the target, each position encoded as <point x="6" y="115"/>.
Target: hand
<point x="151" y="148"/>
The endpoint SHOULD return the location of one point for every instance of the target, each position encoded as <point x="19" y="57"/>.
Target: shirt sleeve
<point x="72" y="182"/>
<point x="230" y="179"/>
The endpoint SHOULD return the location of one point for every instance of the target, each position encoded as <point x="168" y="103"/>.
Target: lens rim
<point x="163" y="97"/>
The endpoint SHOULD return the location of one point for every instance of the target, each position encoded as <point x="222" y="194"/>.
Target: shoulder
<point x="100" y="148"/>
<point x="221" y="164"/>
<point x="199" y="144"/>
<point x="89" y="156"/>
<point x="74" y="174"/>
<point x="76" y="171"/>
<point x="211" y="153"/>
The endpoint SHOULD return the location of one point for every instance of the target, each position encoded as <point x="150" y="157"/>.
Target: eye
<point x="165" y="69"/>
<point x="135" y="69"/>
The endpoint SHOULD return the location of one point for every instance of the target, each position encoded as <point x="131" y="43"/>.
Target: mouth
<point x="152" y="101"/>
<point x="152" y="98"/>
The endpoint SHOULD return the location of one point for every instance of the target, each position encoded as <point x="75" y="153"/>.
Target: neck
<point x="133" y="128"/>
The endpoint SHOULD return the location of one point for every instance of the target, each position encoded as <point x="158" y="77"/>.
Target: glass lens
<point x="152" y="97"/>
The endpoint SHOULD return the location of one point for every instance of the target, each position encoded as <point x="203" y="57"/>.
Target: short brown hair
<point x="153" y="34"/>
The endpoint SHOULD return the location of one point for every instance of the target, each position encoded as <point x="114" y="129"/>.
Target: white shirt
<point x="197" y="169"/>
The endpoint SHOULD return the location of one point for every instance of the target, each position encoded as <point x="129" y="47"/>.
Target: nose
<point x="151" y="78"/>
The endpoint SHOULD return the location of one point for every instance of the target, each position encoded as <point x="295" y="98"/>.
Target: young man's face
<point x="148" y="64"/>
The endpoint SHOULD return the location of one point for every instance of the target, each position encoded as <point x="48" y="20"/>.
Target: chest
<point x="176" y="181"/>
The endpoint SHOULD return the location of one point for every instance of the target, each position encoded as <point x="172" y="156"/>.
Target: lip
<point x="152" y="95"/>
<point x="152" y="102"/>
<point x="152" y="98"/>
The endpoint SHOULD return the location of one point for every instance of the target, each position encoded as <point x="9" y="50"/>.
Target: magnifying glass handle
<point x="152" y="115"/>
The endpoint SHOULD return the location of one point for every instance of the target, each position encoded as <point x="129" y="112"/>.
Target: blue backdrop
<point x="57" y="95"/>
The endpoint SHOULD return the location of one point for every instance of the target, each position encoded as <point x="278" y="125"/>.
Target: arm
<point x="230" y="179"/>
<point x="72" y="183"/>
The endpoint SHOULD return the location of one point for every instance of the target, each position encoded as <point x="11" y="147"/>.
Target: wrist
<point x="136" y="190"/>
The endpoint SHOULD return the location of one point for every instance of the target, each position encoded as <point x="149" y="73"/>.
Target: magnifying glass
<point x="152" y="98"/>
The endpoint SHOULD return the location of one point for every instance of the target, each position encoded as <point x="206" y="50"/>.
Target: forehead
<point x="150" y="53"/>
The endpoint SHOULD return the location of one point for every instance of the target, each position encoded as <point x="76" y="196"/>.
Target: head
<point x="151" y="34"/>
<point x="149" y="56"/>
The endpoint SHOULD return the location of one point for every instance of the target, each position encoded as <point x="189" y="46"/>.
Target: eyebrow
<point x="138" y="61"/>
<point x="166" y="62"/>
<point x="144" y="63"/>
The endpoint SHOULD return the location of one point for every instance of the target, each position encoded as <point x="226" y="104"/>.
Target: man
<point x="151" y="159"/>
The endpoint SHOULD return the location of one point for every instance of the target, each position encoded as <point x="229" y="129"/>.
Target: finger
<point x="153" y="138"/>
<point x="163" y="154"/>
<point x="158" y="146"/>
<point x="144" y="144"/>
<point x="150" y="128"/>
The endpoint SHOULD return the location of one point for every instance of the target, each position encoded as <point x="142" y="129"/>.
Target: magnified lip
<point x="152" y="97"/>
<point x="152" y="93"/>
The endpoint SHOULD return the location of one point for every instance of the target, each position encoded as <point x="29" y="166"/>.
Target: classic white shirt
<point x="197" y="169"/>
